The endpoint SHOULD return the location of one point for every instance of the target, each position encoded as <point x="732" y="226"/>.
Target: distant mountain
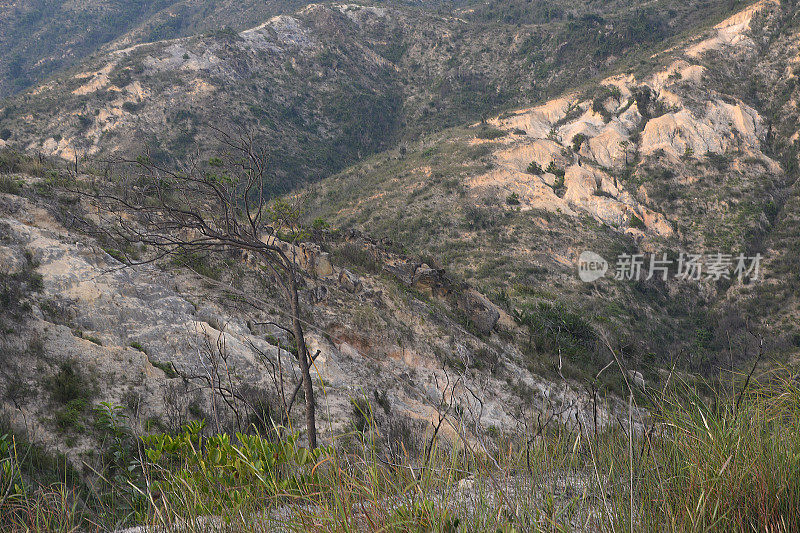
<point x="331" y="83"/>
<point x="39" y="37"/>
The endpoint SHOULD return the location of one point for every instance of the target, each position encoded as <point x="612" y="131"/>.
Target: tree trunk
<point x="302" y="357"/>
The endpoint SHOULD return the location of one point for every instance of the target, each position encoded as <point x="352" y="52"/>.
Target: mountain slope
<point x="453" y="258"/>
<point x="39" y="37"/>
<point x="333" y="83"/>
<point x="697" y="155"/>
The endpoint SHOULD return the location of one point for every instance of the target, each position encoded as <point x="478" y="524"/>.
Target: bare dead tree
<point x="442" y="407"/>
<point x="219" y="204"/>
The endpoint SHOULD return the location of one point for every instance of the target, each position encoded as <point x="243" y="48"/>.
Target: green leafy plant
<point x="225" y="473"/>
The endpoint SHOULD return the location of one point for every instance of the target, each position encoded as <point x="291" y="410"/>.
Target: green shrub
<point x="223" y="473"/>
<point x="637" y="223"/>
<point x="720" y="162"/>
<point x="93" y="340"/>
<point x="480" y="218"/>
<point x="14" y="162"/>
<point x="167" y="368"/>
<point x="69" y="384"/>
<point x="10" y="185"/>
<point x="558" y="185"/>
<point x="131" y="107"/>
<point x="69" y="416"/>
<point x="553" y="169"/>
<point x="577" y="140"/>
<point x="15" y="289"/>
<point x="320" y="224"/>
<point x="137" y="346"/>
<point x="535" y="168"/>
<point x="197" y="262"/>
<point x="490" y="133"/>
<point x="354" y="254"/>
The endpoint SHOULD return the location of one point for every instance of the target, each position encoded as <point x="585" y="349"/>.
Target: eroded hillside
<point x="450" y="275"/>
<point x="332" y="83"/>
<point x="170" y="345"/>
<point x="696" y="155"/>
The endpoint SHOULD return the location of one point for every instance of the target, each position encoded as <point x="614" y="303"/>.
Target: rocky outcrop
<point x="349" y="281"/>
<point x="722" y="128"/>
<point x="145" y="335"/>
<point x="482" y="313"/>
<point x="591" y="139"/>
<point x="433" y="282"/>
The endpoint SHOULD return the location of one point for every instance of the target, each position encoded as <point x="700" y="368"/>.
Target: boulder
<point x="481" y="312"/>
<point x="349" y="281"/>
<point x="402" y="270"/>
<point x="322" y="265"/>
<point x="319" y="293"/>
<point x="426" y="279"/>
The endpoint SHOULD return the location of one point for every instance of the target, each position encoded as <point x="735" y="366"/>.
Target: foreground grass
<point x="700" y="464"/>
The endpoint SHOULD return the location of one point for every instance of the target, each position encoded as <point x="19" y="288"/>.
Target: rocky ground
<point x="149" y="338"/>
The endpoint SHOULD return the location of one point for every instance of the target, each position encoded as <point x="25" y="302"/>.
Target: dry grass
<point x="700" y="464"/>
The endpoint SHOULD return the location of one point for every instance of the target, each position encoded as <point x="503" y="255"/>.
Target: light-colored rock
<point x="731" y="31"/>
<point x="349" y="281"/>
<point x="538" y="121"/>
<point x="723" y="127"/>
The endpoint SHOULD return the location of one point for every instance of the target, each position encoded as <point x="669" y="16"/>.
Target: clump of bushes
<point x="68" y="384"/>
<point x="535" y="169"/>
<point x="14" y="162"/>
<point x="72" y="392"/>
<point x="481" y="218"/>
<point x="489" y="133"/>
<point x="10" y="185"/>
<point x="197" y="262"/>
<point x="603" y="93"/>
<point x="356" y="255"/>
<point x="577" y="141"/>
<point x="558" y="185"/>
<point x="15" y="289"/>
<point x="637" y="223"/>
<point x="552" y="168"/>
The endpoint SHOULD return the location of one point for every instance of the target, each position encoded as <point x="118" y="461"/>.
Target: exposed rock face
<point x="349" y="281"/>
<point x="731" y="31"/>
<point x="481" y="312"/>
<point x="402" y="269"/>
<point x="615" y="134"/>
<point x="427" y="279"/>
<point x="693" y="154"/>
<point x="723" y="127"/>
<point x="127" y="327"/>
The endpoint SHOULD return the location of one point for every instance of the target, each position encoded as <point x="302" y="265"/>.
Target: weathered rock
<point x="426" y="279"/>
<point x="481" y="312"/>
<point x="402" y="269"/>
<point x="349" y="281"/>
<point x="322" y="265"/>
<point x="319" y="293"/>
<point x="11" y="261"/>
